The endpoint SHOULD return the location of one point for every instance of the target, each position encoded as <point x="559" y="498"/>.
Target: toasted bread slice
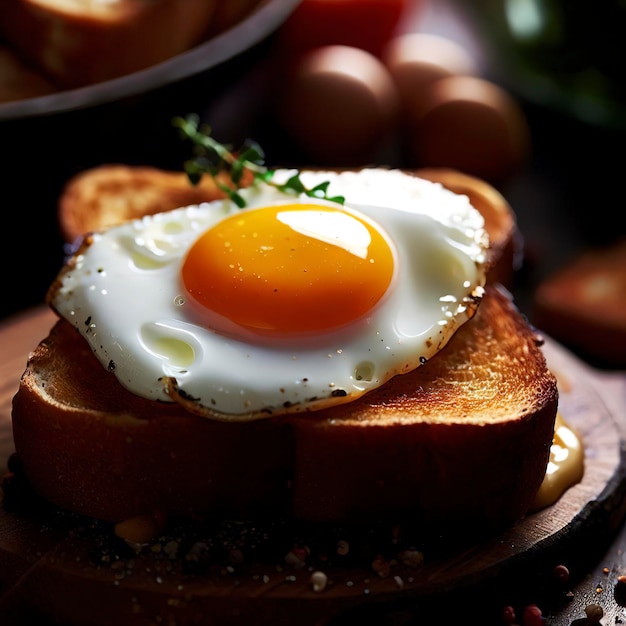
<point x="104" y="196"/>
<point x="462" y="440"/>
<point x="583" y="304"/>
<point x="81" y="42"/>
<point x="110" y="194"/>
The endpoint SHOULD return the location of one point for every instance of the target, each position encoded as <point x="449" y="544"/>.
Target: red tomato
<point x="365" y="24"/>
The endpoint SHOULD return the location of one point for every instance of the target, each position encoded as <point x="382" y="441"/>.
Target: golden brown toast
<point x="462" y="440"/>
<point x="110" y="194"/>
<point x="583" y="304"/>
<point x="81" y="42"/>
<point x="104" y="196"/>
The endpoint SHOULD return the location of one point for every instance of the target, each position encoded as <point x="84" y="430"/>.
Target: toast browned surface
<point x="110" y="194"/>
<point x="67" y="44"/>
<point x="104" y="196"/>
<point x="80" y="42"/>
<point x="583" y="304"/>
<point x="462" y="440"/>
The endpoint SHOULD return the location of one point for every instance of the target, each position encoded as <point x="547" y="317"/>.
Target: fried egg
<point x="289" y="304"/>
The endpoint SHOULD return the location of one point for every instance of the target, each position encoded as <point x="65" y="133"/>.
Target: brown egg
<point x="339" y="106"/>
<point x="416" y="60"/>
<point x="470" y="124"/>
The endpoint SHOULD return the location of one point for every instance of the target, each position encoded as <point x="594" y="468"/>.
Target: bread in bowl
<point x="76" y="43"/>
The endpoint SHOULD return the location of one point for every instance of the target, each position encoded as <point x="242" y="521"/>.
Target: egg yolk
<point x="287" y="269"/>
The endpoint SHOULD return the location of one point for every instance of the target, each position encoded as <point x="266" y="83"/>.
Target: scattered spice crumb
<point x="532" y="615"/>
<point x="381" y="566"/>
<point x="319" y="580"/>
<point x="412" y="558"/>
<point x="594" y="612"/>
<point x="561" y="573"/>
<point x="294" y="559"/>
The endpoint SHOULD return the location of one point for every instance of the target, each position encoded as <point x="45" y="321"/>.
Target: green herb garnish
<point x="212" y="157"/>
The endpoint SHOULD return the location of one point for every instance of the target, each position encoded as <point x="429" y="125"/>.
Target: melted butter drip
<point x="565" y="467"/>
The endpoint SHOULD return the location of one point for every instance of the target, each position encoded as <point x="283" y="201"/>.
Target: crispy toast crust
<point x="465" y="439"/>
<point x="104" y="196"/>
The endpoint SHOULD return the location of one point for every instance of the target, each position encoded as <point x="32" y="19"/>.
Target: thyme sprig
<point x="212" y="157"/>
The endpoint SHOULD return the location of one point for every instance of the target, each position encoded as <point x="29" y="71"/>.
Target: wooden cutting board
<point x="48" y="570"/>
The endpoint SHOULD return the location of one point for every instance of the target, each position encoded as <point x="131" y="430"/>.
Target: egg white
<point x="122" y="291"/>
